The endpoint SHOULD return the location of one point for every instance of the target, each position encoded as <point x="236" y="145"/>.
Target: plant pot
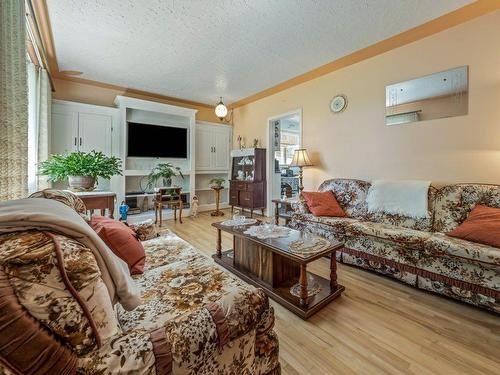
<point x="81" y="183"/>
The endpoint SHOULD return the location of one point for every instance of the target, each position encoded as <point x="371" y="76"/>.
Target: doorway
<point x="284" y="137"/>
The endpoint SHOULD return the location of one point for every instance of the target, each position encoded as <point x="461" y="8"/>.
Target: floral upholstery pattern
<point x="184" y="286"/>
<point x="351" y="195"/>
<point x="440" y="245"/>
<point x="464" y="295"/>
<point x="63" y="196"/>
<point x="406" y="277"/>
<point x="166" y="249"/>
<point x="408" y="237"/>
<point x="196" y="318"/>
<point x="30" y="262"/>
<point x="145" y="230"/>
<point x="455" y="268"/>
<point x="415" y="251"/>
<point x="130" y="353"/>
<point x="453" y="203"/>
<point x="383" y="248"/>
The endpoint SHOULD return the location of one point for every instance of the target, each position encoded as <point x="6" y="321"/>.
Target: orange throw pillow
<point x="482" y="226"/>
<point x="122" y="241"/>
<point x="323" y="204"/>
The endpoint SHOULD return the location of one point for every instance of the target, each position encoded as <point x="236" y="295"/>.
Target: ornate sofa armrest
<point x="300" y="207"/>
<point x="222" y="335"/>
<point x="228" y="333"/>
<point x="145" y="230"/>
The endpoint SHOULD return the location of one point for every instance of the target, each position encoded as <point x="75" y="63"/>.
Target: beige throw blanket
<point x="47" y="214"/>
<point x="404" y="197"/>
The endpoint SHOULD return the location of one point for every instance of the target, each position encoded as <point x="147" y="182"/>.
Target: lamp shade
<point x="300" y="158"/>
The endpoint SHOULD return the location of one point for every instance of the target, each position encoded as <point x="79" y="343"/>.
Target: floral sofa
<point x="194" y="318"/>
<point x="415" y="251"/>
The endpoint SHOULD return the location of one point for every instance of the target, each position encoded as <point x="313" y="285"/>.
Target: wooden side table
<point x="168" y="197"/>
<point x="217" y="190"/>
<point x="287" y="203"/>
<point x="98" y="200"/>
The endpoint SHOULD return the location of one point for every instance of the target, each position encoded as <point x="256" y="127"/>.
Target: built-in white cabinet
<point x="212" y="160"/>
<point x="212" y="147"/>
<point x="81" y="127"/>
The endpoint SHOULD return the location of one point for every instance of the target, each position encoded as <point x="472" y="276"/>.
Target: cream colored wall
<point x="358" y="144"/>
<point x="90" y="94"/>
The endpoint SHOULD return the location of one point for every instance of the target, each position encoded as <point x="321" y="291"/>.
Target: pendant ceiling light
<point x="221" y="110"/>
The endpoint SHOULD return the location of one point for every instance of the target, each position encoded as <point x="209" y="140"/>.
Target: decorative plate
<point x="338" y="103"/>
<point x="308" y="246"/>
<point x="233" y="223"/>
<point x="267" y="231"/>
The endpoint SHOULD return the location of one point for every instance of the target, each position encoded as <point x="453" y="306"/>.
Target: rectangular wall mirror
<point x="439" y="95"/>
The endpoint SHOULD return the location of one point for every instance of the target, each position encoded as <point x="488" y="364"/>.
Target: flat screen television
<point x="156" y="141"/>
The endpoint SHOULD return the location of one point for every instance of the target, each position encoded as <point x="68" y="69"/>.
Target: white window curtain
<point x="39" y="100"/>
<point x="13" y="101"/>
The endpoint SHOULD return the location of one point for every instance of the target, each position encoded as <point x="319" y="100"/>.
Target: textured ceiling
<point x="202" y="49"/>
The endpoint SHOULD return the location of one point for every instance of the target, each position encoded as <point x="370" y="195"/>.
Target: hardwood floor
<point x="378" y="326"/>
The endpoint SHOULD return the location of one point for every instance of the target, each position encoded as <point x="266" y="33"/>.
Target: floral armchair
<point x="56" y="315"/>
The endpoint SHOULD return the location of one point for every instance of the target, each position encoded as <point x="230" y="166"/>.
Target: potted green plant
<point x="216" y="182"/>
<point x="164" y="172"/>
<point x="81" y="169"/>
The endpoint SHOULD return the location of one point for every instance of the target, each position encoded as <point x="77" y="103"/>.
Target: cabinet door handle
<point x="80" y="141"/>
<point x="75" y="141"/>
<point x="214" y="148"/>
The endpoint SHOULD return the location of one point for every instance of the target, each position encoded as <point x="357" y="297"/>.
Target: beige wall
<point x="90" y="94"/>
<point x="358" y="144"/>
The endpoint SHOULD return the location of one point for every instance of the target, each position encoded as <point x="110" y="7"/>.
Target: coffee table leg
<point x="333" y="271"/>
<point x="303" y="285"/>
<point x="219" y="244"/>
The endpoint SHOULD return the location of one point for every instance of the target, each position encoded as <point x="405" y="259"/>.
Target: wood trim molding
<point x="461" y="15"/>
<point x="131" y="91"/>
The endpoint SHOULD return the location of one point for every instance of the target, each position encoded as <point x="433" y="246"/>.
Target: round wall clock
<point x="338" y="103"/>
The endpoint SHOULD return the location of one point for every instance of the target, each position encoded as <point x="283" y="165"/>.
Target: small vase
<point x="81" y="183"/>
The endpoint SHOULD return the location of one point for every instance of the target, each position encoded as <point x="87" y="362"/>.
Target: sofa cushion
<point x="181" y="287"/>
<point x="323" y="204"/>
<point x="453" y="203"/>
<point x="482" y="226"/>
<point x="166" y="249"/>
<point x="121" y="240"/>
<point x="440" y="244"/>
<point x="409" y="237"/>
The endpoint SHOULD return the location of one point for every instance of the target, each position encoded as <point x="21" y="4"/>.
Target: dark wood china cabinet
<point x="248" y="179"/>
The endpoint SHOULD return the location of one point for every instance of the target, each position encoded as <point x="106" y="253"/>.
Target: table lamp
<point x="300" y="159"/>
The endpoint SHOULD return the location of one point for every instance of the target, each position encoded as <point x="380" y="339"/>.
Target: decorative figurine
<point x="255" y="143"/>
<point x="194" y="206"/>
<point x="123" y="211"/>
<point x="239" y="140"/>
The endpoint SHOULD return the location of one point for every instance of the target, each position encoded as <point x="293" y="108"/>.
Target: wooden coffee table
<point x="270" y="265"/>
